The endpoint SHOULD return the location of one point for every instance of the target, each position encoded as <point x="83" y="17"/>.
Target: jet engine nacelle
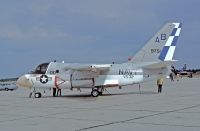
<point x="72" y="81"/>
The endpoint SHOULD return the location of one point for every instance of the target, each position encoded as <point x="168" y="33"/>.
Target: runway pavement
<point x="177" y="108"/>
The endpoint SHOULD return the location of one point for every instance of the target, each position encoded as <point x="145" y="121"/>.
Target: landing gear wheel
<point x="95" y="93"/>
<point x="37" y="95"/>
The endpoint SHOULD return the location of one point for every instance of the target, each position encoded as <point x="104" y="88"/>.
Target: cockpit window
<point x="41" y="69"/>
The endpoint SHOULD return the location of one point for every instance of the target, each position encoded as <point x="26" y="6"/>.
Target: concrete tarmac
<point x="177" y="108"/>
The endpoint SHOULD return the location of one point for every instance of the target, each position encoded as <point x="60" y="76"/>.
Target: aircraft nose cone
<point x="23" y="82"/>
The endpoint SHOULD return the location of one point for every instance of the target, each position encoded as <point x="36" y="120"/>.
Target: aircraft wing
<point x="92" y="67"/>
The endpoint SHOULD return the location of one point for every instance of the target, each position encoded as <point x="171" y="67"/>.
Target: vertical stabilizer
<point x="162" y="46"/>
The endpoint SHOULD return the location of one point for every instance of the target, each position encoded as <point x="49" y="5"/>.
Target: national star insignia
<point x="43" y="79"/>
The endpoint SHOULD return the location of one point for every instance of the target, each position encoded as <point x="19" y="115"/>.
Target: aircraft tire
<point x="95" y="93"/>
<point x="38" y="95"/>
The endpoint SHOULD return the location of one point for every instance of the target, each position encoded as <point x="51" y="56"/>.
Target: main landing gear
<point x="97" y="91"/>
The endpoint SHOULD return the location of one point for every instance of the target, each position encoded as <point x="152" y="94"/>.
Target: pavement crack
<point x="137" y="118"/>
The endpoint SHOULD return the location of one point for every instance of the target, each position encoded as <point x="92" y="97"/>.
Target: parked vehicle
<point x="8" y="86"/>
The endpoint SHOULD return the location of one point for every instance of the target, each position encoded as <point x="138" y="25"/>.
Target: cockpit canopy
<point x="41" y="69"/>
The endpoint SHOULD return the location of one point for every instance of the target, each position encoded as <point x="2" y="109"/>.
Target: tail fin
<point x="162" y="46"/>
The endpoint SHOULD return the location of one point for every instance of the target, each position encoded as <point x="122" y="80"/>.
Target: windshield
<point x="41" y="69"/>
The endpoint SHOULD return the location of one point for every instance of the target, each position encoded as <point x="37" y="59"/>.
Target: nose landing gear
<point x="36" y="94"/>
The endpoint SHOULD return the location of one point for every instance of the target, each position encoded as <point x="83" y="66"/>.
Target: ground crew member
<point x="171" y="76"/>
<point x="57" y="88"/>
<point x="54" y="91"/>
<point x="177" y="76"/>
<point x="58" y="92"/>
<point x="159" y="84"/>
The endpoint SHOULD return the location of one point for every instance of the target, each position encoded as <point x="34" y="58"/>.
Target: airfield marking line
<point x="137" y="118"/>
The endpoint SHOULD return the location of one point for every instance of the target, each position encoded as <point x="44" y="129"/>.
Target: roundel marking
<point x="43" y="79"/>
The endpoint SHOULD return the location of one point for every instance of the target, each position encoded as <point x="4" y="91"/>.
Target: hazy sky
<point x="90" y="31"/>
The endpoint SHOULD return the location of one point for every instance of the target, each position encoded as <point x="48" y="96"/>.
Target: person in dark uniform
<point x="54" y="92"/>
<point x="171" y="77"/>
<point x="58" y="92"/>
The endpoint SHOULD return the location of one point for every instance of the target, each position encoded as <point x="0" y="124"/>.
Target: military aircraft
<point x="150" y="63"/>
<point x="184" y="72"/>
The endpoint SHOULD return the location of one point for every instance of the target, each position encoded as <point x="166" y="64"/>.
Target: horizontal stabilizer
<point x="161" y="64"/>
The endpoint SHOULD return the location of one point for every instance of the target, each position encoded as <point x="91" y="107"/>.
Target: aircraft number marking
<point x="52" y="72"/>
<point x="155" y="51"/>
<point x="127" y="73"/>
<point x="128" y="76"/>
<point x="161" y="37"/>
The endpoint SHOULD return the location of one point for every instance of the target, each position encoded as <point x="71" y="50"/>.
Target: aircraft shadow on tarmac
<point x="106" y="94"/>
<point x="132" y="93"/>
